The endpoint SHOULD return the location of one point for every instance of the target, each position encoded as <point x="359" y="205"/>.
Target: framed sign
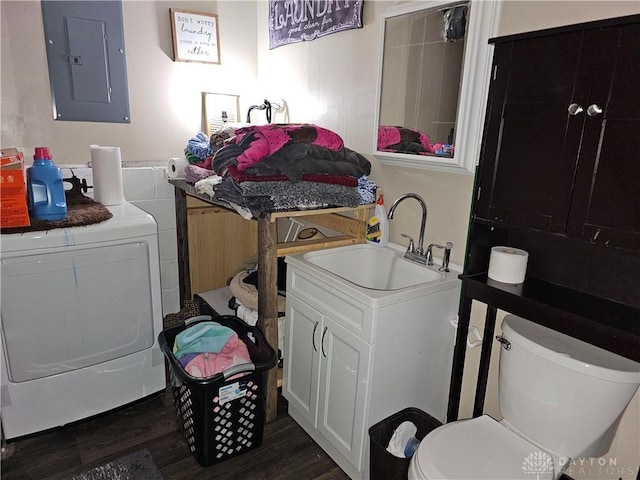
<point x="195" y="36"/>
<point x="298" y="21"/>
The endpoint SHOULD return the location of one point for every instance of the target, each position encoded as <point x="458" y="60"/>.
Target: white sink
<point x="372" y="267"/>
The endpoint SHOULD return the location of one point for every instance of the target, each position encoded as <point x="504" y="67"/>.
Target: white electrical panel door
<point x="86" y="56"/>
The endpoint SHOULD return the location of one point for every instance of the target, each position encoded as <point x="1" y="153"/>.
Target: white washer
<point x="80" y="315"/>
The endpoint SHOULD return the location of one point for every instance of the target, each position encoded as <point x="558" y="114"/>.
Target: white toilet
<point x="561" y="398"/>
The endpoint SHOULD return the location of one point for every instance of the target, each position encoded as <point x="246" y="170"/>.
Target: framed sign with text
<point x="292" y="21"/>
<point x="195" y="36"/>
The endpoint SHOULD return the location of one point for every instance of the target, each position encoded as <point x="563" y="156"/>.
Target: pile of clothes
<point x="408" y="140"/>
<point x="277" y="167"/>
<point x="208" y="348"/>
<point x="200" y="147"/>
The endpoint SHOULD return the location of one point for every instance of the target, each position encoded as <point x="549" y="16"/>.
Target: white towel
<point x="206" y="185"/>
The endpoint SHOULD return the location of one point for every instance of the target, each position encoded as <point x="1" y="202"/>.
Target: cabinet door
<point x="302" y="357"/>
<point x="531" y="141"/>
<point x="344" y="386"/>
<point x="606" y="202"/>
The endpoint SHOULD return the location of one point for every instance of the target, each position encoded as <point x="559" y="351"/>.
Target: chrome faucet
<point x="445" y="256"/>
<point x="411" y="251"/>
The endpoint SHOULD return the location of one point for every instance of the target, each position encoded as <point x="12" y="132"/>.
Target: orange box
<point x="13" y="193"/>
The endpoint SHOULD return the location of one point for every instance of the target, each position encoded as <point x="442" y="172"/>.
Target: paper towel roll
<point x="176" y="166"/>
<point x="507" y="264"/>
<point x="106" y="165"/>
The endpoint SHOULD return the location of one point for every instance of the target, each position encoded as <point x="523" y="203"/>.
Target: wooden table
<point x="352" y="229"/>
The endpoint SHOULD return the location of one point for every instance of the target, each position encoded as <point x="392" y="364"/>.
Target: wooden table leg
<point x="268" y="303"/>
<point x="485" y="360"/>
<point x="459" y="353"/>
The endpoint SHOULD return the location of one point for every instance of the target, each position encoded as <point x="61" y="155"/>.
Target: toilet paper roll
<point x="106" y="165"/>
<point x="508" y="264"/>
<point x="176" y="166"/>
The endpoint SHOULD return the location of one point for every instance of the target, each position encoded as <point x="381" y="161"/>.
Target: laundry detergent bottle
<point x="45" y="188"/>
<point x="378" y="225"/>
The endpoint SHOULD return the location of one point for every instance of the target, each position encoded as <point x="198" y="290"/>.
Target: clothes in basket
<point x="208" y="348"/>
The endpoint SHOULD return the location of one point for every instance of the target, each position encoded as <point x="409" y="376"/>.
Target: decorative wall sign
<point x="195" y="36"/>
<point x="292" y="21"/>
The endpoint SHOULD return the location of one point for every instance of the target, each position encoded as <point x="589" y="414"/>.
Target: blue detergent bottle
<point x="45" y="189"/>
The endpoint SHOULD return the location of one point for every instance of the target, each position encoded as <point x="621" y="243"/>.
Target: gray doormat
<point x="136" y="466"/>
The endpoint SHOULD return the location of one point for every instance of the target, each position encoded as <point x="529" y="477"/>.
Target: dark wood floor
<point x="287" y="452"/>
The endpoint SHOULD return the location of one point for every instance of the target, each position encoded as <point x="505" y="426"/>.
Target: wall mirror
<point x="434" y="73"/>
<point x="219" y="109"/>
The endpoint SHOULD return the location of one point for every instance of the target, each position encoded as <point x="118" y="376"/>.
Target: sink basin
<point x="372" y="267"/>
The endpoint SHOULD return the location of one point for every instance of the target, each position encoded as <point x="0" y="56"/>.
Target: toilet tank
<point x="565" y="394"/>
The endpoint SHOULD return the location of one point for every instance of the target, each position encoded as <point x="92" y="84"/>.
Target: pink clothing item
<point x="388" y="136"/>
<point x="194" y="173"/>
<point x="208" y="364"/>
<point x="268" y="139"/>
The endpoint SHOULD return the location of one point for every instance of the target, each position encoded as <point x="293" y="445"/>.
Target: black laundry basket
<point x="221" y="416"/>
<point x="384" y="465"/>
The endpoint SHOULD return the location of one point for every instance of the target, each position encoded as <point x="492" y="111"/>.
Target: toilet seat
<point x="477" y="449"/>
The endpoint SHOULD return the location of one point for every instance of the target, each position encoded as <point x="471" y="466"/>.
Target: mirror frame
<point x="484" y="18"/>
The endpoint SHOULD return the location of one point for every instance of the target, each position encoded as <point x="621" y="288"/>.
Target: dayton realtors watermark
<point x="540" y="463"/>
<point x="601" y="467"/>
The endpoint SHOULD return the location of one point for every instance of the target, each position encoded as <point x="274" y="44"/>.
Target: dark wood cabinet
<point x="559" y="174"/>
<point x="526" y="159"/>
<point x="544" y="167"/>
<point x="605" y="207"/>
<point x="559" y="177"/>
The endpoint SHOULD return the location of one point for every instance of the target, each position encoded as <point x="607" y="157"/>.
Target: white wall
<point x="522" y="16"/>
<point x="330" y="81"/>
<point x="165" y="96"/>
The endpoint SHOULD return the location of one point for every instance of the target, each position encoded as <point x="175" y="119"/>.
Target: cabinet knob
<point x="575" y="109"/>
<point x="594" y="110"/>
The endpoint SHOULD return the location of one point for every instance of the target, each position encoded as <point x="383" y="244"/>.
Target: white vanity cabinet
<point x="327" y="376"/>
<point x="354" y="356"/>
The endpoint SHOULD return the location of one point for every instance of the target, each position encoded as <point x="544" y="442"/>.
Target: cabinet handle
<point x="575" y="109"/>
<point x="313" y="337"/>
<point x="322" y="342"/>
<point x="594" y="110"/>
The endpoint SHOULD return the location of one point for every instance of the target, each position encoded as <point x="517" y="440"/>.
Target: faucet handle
<point x="411" y="248"/>
<point x="429" y="253"/>
<point x="446" y="256"/>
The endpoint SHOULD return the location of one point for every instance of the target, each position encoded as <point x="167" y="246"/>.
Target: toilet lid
<point x="480" y="448"/>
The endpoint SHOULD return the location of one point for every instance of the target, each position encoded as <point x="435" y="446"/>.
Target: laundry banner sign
<point x="292" y="21"/>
